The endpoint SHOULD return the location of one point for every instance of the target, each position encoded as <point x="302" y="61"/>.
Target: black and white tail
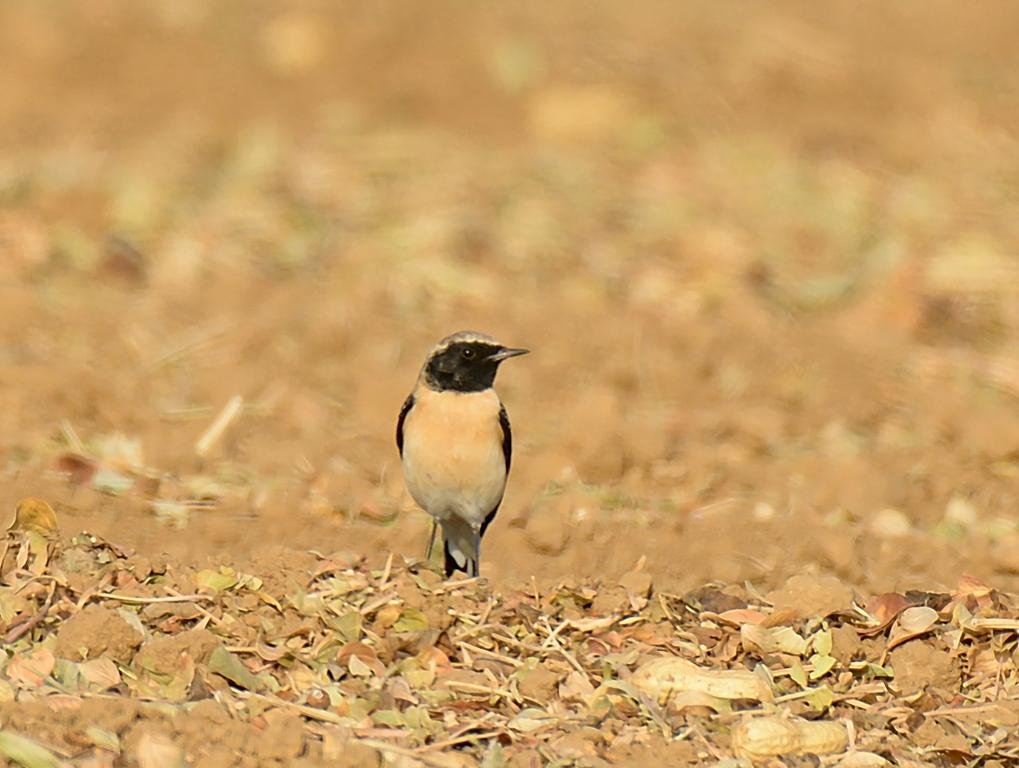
<point x="461" y="548"/>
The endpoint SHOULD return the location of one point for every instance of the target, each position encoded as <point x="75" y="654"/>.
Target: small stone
<point x="318" y="699"/>
<point x="547" y="531"/>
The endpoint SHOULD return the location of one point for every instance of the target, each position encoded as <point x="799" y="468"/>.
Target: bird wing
<point x="407" y="405"/>
<point x="507" y="436"/>
<point x="507" y="453"/>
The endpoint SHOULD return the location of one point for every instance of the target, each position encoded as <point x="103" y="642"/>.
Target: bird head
<point x="466" y="362"/>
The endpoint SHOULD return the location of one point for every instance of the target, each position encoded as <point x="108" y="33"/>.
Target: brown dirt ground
<point x="765" y="261"/>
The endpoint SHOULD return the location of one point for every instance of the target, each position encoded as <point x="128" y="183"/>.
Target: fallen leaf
<point x="771" y="640"/>
<point x="576" y="687"/>
<point x="821" y="642"/>
<point x="822" y="666"/>
<point x="220" y="580"/>
<point x="362" y="651"/>
<point x="26" y="752"/>
<point x="103" y="739"/>
<point x="912" y="623"/>
<point x="31" y="669"/>
<point x="530" y="720"/>
<point x="388" y="717"/>
<point x="226" y="664"/>
<point x="882" y="610"/>
<point x="358" y="668"/>
<point x="101" y="672"/>
<point x="592" y="624"/>
<point x="35" y="515"/>
<point x="737" y="617"/>
<point x="919" y="618"/>
<point x="798" y="674"/>
<point x="411" y="620"/>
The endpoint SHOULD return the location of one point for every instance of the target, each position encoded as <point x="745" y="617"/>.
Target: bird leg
<point x="431" y="541"/>
<point x="474" y="558"/>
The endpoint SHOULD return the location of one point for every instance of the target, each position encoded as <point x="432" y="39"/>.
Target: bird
<point x="455" y="443"/>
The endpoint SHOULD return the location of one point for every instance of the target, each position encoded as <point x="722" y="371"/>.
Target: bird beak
<point x="505" y="353"/>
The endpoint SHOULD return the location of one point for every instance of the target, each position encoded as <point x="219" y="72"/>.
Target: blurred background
<point x="766" y="260"/>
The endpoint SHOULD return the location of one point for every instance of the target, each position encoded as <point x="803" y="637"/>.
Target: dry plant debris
<point x="328" y="662"/>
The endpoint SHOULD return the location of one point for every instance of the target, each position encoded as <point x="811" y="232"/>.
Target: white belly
<point x="452" y="454"/>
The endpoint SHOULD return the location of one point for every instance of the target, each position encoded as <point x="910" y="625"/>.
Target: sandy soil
<point x="765" y="262"/>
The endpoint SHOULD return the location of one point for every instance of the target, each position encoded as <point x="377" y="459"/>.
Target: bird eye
<point x="467" y="353"/>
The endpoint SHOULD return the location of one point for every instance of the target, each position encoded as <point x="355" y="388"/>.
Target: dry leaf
<point x="31" y="669"/>
<point x="737" y="617"/>
<point x="101" y="672"/>
<point x="911" y="623"/>
<point x="772" y="640"/>
<point x="26" y="752"/>
<point x="576" y="687"/>
<point x="36" y="516"/>
<point x="227" y="665"/>
<point x="883" y="609"/>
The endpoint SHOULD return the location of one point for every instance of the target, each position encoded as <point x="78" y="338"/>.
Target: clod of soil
<point x="538" y="684"/>
<point x="919" y="666"/>
<point x="811" y="595"/>
<point x="95" y="631"/>
<point x="165" y="655"/>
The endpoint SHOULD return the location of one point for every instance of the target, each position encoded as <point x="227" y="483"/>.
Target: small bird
<point x="455" y="443"/>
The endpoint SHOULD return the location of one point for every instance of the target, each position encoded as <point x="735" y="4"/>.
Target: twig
<point x="552" y="633"/>
<point x="435" y="761"/>
<point x="571" y="659"/>
<point x="211" y="436"/>
<point x="517" y="644"/>
<point x="449" y="586"/>
<point x="29" y="624"/>
<point x="465" y="728"/>
<point x="473" y="631"/>
<point x="475" y="688"/>
<point x="147" y="600"/>
<point x="187" y="413"/>
<point x="67" y="430"/>
<point x="209" y="617"/>
<point x="461" y="739"/>
<point x="195" y="340"/>
<point x="322" y="715"/>
<point x="490" y="654"/>
<point x="378" y="602"/>
<point x="387" y="571"/>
